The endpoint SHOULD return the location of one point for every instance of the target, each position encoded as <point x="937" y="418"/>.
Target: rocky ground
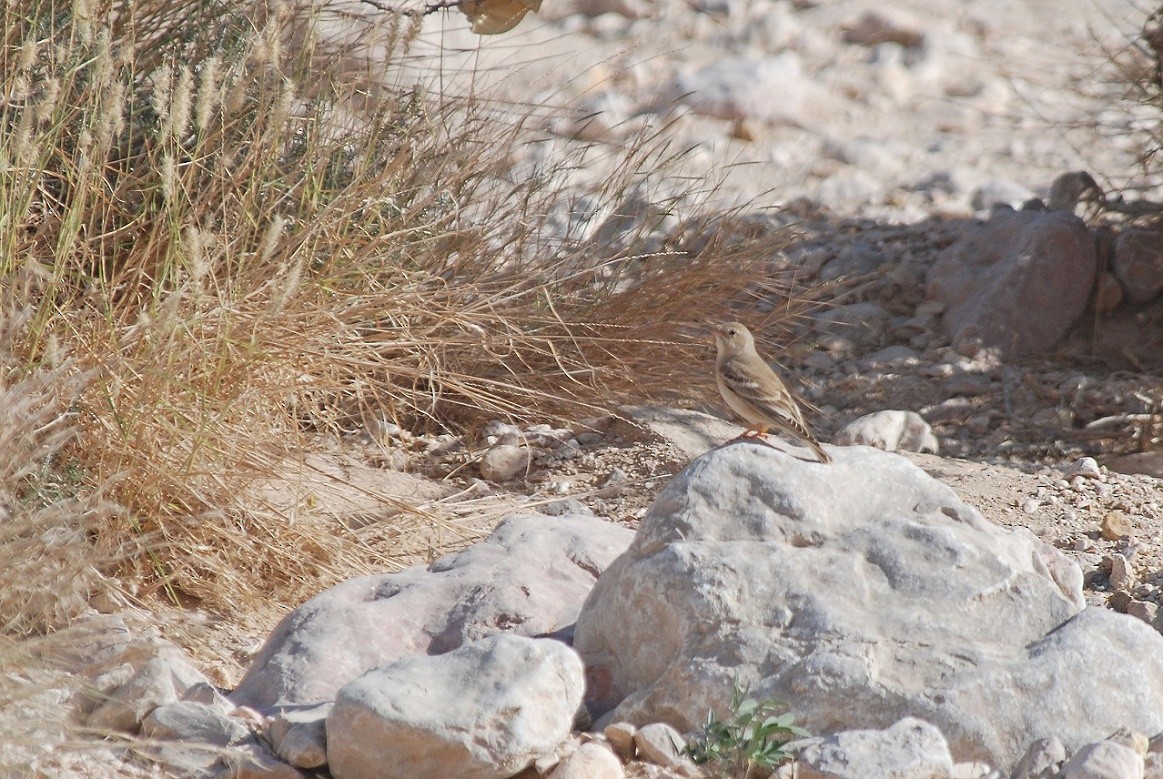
<point x="884" y="135"/>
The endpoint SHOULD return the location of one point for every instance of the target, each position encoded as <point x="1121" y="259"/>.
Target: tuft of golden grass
<point x="238" y="255"/>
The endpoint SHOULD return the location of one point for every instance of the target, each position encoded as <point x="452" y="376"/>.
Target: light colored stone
<point x="299" y="735"/>
<point x="974" y="770"/>
<point x="1042" y="760"/>
<point x="1104" y="760"/>
<point x="1133" y="739"/>
<point x="590" y="761"/>
<point x="910" y="749"/>
<point x="621" y="738"/>
<point x="485" y="711"/>
<point x="768" y="88"/>
<point x="1147" y="611"/>
<point x="890" y="430"/>
<point x="505" y="462"/>
<point x="862" y="591"/>
<point x="1122" y="576"/>
<point x="195" y="722"/>
<point x="1018" y="282"/>
<point x="661" y="744"/>
<point x="1086" y="467"/>
<point x="1116" y="525"/>
<point x="529" y="577"/>
<point x="163" y="678"/>
<point x="252" y="761"/>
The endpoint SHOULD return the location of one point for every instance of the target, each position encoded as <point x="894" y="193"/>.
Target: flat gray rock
<point x="529" y="578"/>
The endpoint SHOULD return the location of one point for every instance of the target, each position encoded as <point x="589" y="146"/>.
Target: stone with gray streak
<point x="161" y="679"/>
<point x="660" y="744"/>
<point x="195" y="722"/>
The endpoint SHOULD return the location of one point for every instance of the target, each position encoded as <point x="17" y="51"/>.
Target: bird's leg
<point x="755" y="431"/>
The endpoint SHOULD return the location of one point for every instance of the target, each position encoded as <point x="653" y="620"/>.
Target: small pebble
<point x="1122" y="575"/>
<point x="1086" y="467"/>
<point x="1116" y="525"/>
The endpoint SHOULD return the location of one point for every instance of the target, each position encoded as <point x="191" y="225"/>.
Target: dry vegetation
<point x="213" y="255"/>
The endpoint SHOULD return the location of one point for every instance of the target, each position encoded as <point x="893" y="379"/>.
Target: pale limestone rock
<point x="864" y="592"/>
<point x="1122" y="576"/>
<point x="529" y="577"/>
<point x="621" y="738"/>
<point x="1086" y="467"/>
<point x="660" y="744"/>
<point x="505" y="462"/>
<point x="485" y="711"/>
<point x="161" y="679"/>
<point x="195" y="722"/>
<point x="890" y="430"/>
<point x="1115" y="525"/>
<point x="1104" y="760"/>
<point x="910" y="749"/>
<point x="1042" y="760"/>
<point x="768" y="88"/>
<point x="590" y="761"/>
<point x="252" y="761"/>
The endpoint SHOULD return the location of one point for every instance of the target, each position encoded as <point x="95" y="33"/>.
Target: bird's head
<point x="732" y="338"/>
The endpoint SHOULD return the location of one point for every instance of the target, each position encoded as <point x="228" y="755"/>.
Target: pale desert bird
<point x="754" y="391"/>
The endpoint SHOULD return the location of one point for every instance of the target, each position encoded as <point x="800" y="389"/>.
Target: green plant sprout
<point x="751" y="739"/>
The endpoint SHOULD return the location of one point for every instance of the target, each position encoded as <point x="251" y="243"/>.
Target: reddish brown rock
<point x="1017" y="282"/>
<point x="1138" y="264"/>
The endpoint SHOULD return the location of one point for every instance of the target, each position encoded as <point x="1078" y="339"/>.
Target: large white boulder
<point x="859" y="593"/>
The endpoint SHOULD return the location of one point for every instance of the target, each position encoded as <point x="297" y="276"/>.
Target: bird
<point x="754" y="391"/>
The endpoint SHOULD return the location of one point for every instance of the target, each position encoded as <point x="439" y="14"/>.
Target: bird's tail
<point x="819" y="450"/>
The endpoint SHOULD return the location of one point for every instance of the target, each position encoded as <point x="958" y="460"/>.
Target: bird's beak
<point x="717" y="329"/>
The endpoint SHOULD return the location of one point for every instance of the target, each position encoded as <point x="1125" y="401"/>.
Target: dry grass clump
<point x="48" y="518"/>
<point x="1149" y="85"/>
<point x="238" y="254"/>
<point x="1139" y="71"/>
